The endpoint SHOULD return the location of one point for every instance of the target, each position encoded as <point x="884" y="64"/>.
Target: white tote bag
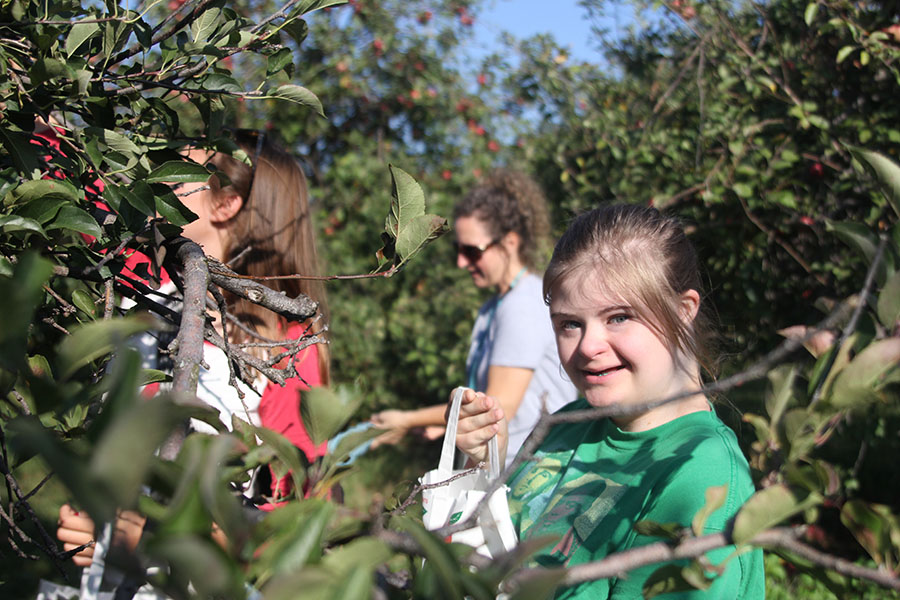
<point x="456" y="501"/>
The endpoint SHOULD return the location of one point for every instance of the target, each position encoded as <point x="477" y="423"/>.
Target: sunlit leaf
<point x="860" y="380"/>
<point x="175" y="171"/>
<point x="885" y="171"/>
<point x="889" y="302"/>
<point x="299" y="95"/>
<point x="715" y="499"/>
<point x="769" y="507"/>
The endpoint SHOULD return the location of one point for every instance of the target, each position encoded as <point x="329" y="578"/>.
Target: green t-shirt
<point x="591" y="482"/>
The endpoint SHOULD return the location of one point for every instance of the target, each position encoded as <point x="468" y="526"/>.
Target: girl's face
<point x="211" y="205"/>
<point x="611" y="354"/>
<point x="480" y="254"/>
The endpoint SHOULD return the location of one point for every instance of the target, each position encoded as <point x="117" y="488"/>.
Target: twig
<point x="428" y="486"/>
<point x="293" y="309"/>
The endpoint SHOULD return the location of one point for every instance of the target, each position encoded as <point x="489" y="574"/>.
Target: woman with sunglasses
<point x="501" y="229"/>
<point x="258" y="224"/>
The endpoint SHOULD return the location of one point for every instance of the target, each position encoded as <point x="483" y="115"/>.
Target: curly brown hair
<point x="511" y="201"/>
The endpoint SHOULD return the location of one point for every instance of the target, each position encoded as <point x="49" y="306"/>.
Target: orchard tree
<point x="118" y="93"/>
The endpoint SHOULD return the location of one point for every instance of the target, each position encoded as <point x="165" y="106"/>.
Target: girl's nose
<point x="593" y="342"/>
<point x="461" y="261"/>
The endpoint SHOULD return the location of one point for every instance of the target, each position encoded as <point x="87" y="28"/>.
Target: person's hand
<point x="77" y="529"/>
<point x="389" y="438"/>
<point x="480" y="418"/>
<point x="391" y="419"/>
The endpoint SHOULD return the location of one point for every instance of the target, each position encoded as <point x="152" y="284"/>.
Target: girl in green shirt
<point x="625" y="301"/>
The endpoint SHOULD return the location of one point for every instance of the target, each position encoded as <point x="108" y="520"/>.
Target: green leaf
<point x="407" y="203"/>
<point x="20" y="296"/>
<point x="75" y="219"/>
<point x="292" y="457"/>
<point x="715" y="499"/>
<point x="305" y="545"/>
<point x="365" y="553"/>
<point x="177" y="171"/>
<point x="204" y="25"/>
<point x="668" y="531"/>
<point x="664" y="580"/>
<point x="325" y="411"/>
<point x="94" y="340"/>
<point x="541" y="586"/>
<point x="862" y="379"/>
<point x="28" y="437"/>
<point x="418" y="233"/>
<point x="843" y="53"/>
<point x="128" y="445"/>
<point x="885" y="171"/>
<point x="889" y="302"/>
<point x="781" y="380"/>
<point x="299" y="95"/>
<point x="171" y="208"/>
<point x="78" y="35"/>
<point x="871" y="525"/>
<point x="743" y="190"/>
<point x="279" y="61"/>
<point x="355" y="585"/>
<point x="809" y="15"/>
<point x="768" y="508"/>
<point x="52" y="192"/>
<point x="13" y="223"/>
<point x="83" y="300"/>
<point x="864" y="240"/>
<point x="437" y="555"/>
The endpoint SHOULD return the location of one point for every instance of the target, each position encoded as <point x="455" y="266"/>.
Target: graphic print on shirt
<point x="570" y="511"/>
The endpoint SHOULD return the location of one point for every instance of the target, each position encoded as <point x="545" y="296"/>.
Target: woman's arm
<point x="508" y="386"/>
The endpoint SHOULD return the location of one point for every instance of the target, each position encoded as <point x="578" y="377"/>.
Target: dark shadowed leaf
<point x="668" y="531"/>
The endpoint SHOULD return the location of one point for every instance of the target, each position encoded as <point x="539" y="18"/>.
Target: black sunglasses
<point x="472" y="253"/>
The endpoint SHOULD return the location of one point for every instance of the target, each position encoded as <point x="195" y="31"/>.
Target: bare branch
<point x="293" y="309"/>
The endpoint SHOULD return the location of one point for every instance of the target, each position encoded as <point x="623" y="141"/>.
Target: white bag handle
<point x="92" y="576"/>
<point x="449" y="450"/>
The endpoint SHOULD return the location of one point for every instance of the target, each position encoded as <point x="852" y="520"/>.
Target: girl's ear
<point x="690" y="305"/>
<point x="226" y="204"/>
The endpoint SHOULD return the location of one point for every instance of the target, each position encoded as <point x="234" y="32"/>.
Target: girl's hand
<point x="76" y="529"/>
<point x="480" y="418"/>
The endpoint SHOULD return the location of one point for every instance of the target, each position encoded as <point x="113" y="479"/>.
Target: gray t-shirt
<point x="517" y="333"/>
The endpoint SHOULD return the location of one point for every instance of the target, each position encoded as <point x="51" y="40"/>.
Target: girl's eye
<point x="618" y="319"/>
<point x="568" y="325"/>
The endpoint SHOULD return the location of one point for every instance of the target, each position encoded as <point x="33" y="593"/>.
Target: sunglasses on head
<point x="472" y="253"/>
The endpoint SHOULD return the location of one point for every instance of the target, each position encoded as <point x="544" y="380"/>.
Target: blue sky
<point x="564" y="19"/>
